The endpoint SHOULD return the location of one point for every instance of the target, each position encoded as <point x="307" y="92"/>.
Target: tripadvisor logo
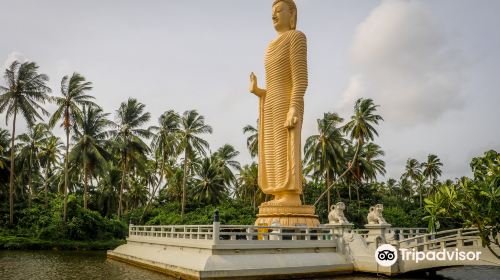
<point x="387" y="255"/>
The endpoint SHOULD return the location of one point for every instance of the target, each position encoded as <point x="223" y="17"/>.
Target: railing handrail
<point x="450" y="234"/>
<point x="231" y="232"/>
<point x="229" y="226"/>
<point x="177" y="226"/>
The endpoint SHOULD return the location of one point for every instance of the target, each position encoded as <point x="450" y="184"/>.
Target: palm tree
<point x="29" y="150"/>
<point x="164" y="141"/>
<point x="412" y="171"/>
<point x="323" y="152"/>
<point x="164" y="144"/>
<point x="370" y="161"/>
<point x="209" y="186"/>
<point x="143" y="183"/>
<point x="432" y="168"/>
<point x="192" y="125"/>
<point x="252" y="139"/>
<point x="138" y="194"/>
<point x="360" y="128"/>
<point x="391" y="185"/>
<point x="128" y="134"/>
<point x="74" y="94"/>
<point x="89" y="151"/>
<point x="4" y="161"/>
<point x="50" y="155"/>
<point x="248" y="186"/>
<point x="405" y="188"/>
<point x="4" y="142"/>
<point x="366" y="167"/>
<point x="175" y="177"/>
<point x="24" y="92"/>
<point x="225" y="159"/>
<point x="420" y="186"/>
<point x="149" y="178"/>
<point x="106" y="190"/>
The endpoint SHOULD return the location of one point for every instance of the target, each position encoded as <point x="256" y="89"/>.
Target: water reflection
<point x="68" y="265"/>
<point x="45" y="265"/>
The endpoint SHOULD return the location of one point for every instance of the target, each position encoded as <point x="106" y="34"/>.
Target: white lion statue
<point x="336" y="215"/>
<point x="375" y="215"/>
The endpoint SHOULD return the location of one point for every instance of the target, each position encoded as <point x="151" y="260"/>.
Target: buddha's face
<point x="281" y="17"/>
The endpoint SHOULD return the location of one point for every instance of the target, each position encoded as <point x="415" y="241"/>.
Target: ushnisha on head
<point x="284" y="15"/>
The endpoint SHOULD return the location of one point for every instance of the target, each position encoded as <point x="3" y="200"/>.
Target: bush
<point x="355" y="215"/>
<point x="85" y="224"/>
<point x="38" y="223"/>
<point x="229" y="213"/>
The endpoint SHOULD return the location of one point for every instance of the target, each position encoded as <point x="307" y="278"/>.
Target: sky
<point x="432" y="66"/>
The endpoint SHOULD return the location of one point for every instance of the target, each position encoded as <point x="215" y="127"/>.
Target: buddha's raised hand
<point x="253" y="83"/>
<point x="254" y="88"/>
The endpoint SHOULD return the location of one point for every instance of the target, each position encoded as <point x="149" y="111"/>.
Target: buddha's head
<point x="284" y="15"/>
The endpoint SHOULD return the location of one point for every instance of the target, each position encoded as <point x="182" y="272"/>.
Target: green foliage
<point x="18" y="243"/>
<point x="474" y="202"/>
<point x="231" y="212"/>
<point x="398" y="217"/>
<point x="40" y="224"/>
<point x="356" y="215"/>
<point x="85" y="224"/>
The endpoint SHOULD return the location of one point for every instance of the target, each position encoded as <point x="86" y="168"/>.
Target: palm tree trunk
<point x="327" y="181"/>
<point x="337" y="190"/>
<point x="11" y="182"/>
<point x="183" y="203"/>
<point x="253" y="203"/>
<point x="343" y="174"/>
<point x="254" y="198"/>
<point x="85" y="179"/>
<point x="154" y="189"/>
<point x="66" y="179"/>
<point x="30" y="183"/>
<point x="431" y="188"/>
<point x="46" y="187"/>
<point x="30" y="188"/>
<point x="124" y="174"/>
<point x="350" y="196"/>
<point x="357" y="195"/>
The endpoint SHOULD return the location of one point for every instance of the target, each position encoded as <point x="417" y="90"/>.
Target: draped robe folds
<point x="280" y="165"/>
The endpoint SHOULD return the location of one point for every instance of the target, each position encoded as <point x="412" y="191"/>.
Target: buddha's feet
<point x="284" y="200"/>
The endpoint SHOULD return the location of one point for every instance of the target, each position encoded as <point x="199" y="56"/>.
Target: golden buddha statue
<point x="281" y="110"/>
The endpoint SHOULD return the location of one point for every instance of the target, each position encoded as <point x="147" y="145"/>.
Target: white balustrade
<point x="231" y="232"/>
<point x="443" y="239"/>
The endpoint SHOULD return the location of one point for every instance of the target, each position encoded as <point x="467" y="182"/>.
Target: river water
<point x="92" y="265"/>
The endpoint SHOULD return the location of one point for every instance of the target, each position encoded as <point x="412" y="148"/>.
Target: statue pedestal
<point x="376" y="234"/>
<point x="288" y="216"/>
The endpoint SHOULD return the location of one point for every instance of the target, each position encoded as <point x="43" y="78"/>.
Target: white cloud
<point x="402" y="61"/>
<point x="13" y="56"/>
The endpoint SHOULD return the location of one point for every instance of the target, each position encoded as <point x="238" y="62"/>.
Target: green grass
<point x="31" y="243"/>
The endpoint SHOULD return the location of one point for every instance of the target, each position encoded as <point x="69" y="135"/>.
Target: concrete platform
<point x="205" y="260"/>
<point x="209" y="252"/>
<point x="254" y="252"/>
